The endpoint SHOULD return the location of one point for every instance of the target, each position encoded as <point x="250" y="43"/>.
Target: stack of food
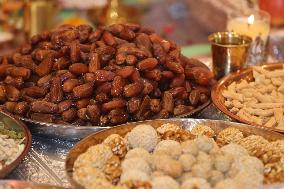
<point x="11" y="146"/>
<point x="171" y="157"/>
<point x="108" y="76"/>
<point x="260" y="101"/>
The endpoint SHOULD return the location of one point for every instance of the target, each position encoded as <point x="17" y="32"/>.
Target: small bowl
<point x="19" y="127"/>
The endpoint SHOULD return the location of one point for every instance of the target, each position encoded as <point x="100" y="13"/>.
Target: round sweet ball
<point x="204" y="143"/>
<point x="223" y="162"/>
<point x="111" y="138"/>
<point x="100" y="184"/>
<point x="164" y="182"/>
<point x="168" y="127"/>
<point x="216" y="176"/>
<point x="136" y="175"/>
<point x="138" y="153"/>
<point x="204" y="158"/>
<point x="246" y="163"/>
<point x="157" y="174"/>
<point x="201" y="170"/>
<point x="248" y="179"/>
<point x="167" y="165"/>
<point x="203" y="130"/>
<point x="143" y="136"/>
<point x="185" y="176"/>
<point x="189" y="147"/>
<point x="234" y="150"/>
<point x="227" y="184"/>
<point x="194" y="183"/>
<point x="254" y="141"/>
<point x="168" y="147"/>
<point x="229" y="135"/>
<point x="86" y="174"/>
<point x="187" y="161"/>
<point x="96" y="155"/>
<point x="135" y="164"/>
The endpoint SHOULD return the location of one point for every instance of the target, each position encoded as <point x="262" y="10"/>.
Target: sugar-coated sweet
<point x="223" y="162"/>
<point x="129" y="175"/>
<point x="204" y="143"/>
<point x="187" y="161"/>
<point x="143" y="136"/>
<point x="194" y="183"/>
<point x="168" y="127"/>
<point x="135" y="164"/>
<point x="190" y="147"/>
<point x="164" y="182"/>
<point x="234" y="150"/>
<point x="138" y="153"/>
<point x="168" y="147"/>
<point x="227" y="184"/>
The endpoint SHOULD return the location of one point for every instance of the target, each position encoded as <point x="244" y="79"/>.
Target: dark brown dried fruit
<point x="44" y="107"/>
<point x="78" y="68"/>
<point x="69" y="115"/>
<point x="12" y="93"/>
<point x="147" y="64"/>
<point x="83" y="91"/>
<point x="103" y="75"/>
<point x="133" y="105"/>
<point x="95" y="62"/>
<point x="125" y="71"/>
<point x="168" y="102"/>
<point x="114" y="104"/>
<point x="117" y="86"/>
<point x="64" y="105"/>
<point x="45" y="67"/>
<point x="69" y="85"/>
<point x="48" y="118"/>
<point x="21" y="108"/>
<point x="56" y="93"/>
<point x="35" y="91"/>
<point x="132" y="90"/>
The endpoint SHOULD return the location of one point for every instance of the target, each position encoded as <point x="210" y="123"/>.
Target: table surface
<point x="45" y="161"/>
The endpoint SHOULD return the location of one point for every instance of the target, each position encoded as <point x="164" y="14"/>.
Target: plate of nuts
<point x="178" y="154"/>
<point x="15" y="142"/>
<point x="77" y="76"/>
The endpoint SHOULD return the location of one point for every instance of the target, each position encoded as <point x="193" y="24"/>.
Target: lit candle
<point x="255" y="24"/>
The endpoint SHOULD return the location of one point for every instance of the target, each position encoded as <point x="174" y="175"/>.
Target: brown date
<point x="69" y="115"/>
<point x="12" y="93"/>
<point x="168" y="102"/>
<point x="103" y="75"/>
<point x="114" y="104"/>
<point x="125" y="71"/>
<point x="20" y="72"/>
<point x="117" y="86"/>
<point x="10" y="106"/>
<point x="82" y="114"/>
<point x="45" y="67"/>
<point x="56" y="92"/>
<point x="44" y="107"/>
<point x="147" y="64"/>
<point x="117" y="116"/>
<point x="132" y="90"/>
<point x="35" y="91"/>
<point x="82" y="103"/>
<point x="69" y="85"/>
<point x="178" y="81"/>
<point x="21" y="108"/>
<point x="108" y="38"/>
<point x="78" y="68"/>
<point x="133" y="104"/>
<point x="155" y="105"/>
<point x="83" y="91"/>
<point x="14" y="81"/>
<point x="131" y="59"/>
<point x="104" y="88"/>
<point x="175" y="67"/>
<point x="64" y="105"/>
<point x="93" y="112"/>
<point x="194" y="97"/>
<point x="89" y="77"/>
<point x="48" y="118"/>
<point x="154" y="74"/>
<point x="95" y="62"/>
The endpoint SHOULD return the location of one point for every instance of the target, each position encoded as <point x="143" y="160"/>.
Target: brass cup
<point x="229" y="52"/>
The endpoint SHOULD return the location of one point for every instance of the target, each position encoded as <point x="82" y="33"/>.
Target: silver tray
<point x="216" y="125"/>
<point x="14" y="184"/>
<point x="73" y="132"/>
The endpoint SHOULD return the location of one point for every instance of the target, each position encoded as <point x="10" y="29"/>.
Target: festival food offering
<point x="260" y="101"/>
<point x="106" y="76"/>
<point x="171" y="157"/>
<point x="11" y="146"/>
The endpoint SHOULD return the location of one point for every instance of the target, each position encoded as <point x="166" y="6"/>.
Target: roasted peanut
<point x="44" y="107"/>
<point x="83" y="91"/>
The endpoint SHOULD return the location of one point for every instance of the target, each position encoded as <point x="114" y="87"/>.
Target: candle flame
<point x="251" y="19"/>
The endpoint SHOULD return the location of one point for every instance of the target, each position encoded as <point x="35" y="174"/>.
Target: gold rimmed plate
<point x="188" y="124"/>
<point x="11" y="124"/>
<point x="247" y="74"/>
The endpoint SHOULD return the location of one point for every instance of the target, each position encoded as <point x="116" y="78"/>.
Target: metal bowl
<point x="17" y="126"/>
<point x="15" y="184"/>
<point x="188" y="124"/>
<point x="73" y="132"/>
<point x="219" y="100"/>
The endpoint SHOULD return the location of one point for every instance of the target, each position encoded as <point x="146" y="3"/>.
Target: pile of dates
<point x="107" y="76"/>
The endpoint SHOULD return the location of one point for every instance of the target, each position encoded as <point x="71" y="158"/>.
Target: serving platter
<point x="247" y="74"/>
<point x="188" y="124"/>
<point x="15" y="184"/>
<point x="73" y="132"/>
<point x="12" y="124"/>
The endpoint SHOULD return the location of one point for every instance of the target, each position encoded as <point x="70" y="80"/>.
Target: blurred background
<point x="187" y="22"/>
